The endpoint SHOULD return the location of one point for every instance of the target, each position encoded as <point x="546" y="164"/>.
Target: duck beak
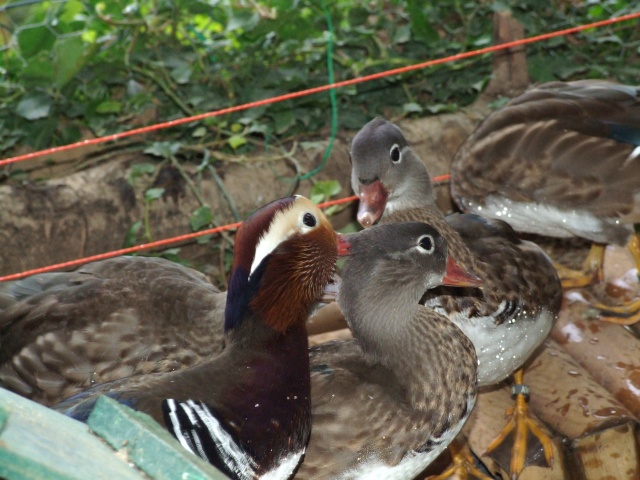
<point x="456" y="276"/>
<point x="344" y="245"/>
<point x="373" y="199"/>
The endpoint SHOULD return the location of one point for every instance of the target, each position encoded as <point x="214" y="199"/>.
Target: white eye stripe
<point x="283" y="226"/>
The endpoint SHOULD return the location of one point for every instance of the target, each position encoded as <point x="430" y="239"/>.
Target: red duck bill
<point x="373" y="199"/>
<point x="456" y="276"/>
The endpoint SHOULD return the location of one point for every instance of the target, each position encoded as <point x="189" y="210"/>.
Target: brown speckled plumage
<point x="407" y="382"/>
<point x="513" y="271"/>
<point x="564" y="149"/>
<point x="521" y="292"/>
<point x="61" y="333"/>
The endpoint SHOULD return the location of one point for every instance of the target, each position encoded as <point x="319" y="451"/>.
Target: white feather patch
<point x="547" y="220"/>
<point x="286" y="467"/>
<point x="234" y="457"/>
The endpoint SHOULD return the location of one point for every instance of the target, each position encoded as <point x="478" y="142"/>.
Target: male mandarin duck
<point x="386" y="403"/>
<point x="511" y="314"/>
<point x="561" y="160"/>
<point x="247" y="410"/>
<point x="61" y="333"/>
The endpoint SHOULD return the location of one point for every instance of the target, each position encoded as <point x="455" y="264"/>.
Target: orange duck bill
<point x="373" y="200"/>
<point x="456" y="276"/>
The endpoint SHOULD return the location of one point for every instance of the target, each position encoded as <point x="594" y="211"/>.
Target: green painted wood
<point x="148" y="445"/>
<point x="37" y="443"/>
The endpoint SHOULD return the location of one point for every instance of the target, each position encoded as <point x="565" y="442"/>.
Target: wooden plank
<point x="486" y="422"/>
<point x="609" y="352"/>
<point x="566" y="397"/>
<point x="610" y="454"/>
<point x="149" y="446"/>
<point x="40" y="444"/>
<point x="344" y="334"/>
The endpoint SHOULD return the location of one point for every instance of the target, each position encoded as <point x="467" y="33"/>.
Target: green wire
<point x="332" y="96"/>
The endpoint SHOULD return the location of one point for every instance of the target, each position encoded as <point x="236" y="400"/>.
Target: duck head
<point x="386" y="173"/>
<point x="389" y="269"/>
<point x="284" y="256"/>
<point x="401" y="253"/>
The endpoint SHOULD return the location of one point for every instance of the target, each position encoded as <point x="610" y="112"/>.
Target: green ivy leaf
<point x="203" y="239"/>
<point x="35" y="39"/>
<point x="163" y="149"/>
<point x="109" y="106"/>
<point x="139" y="169"/>
<point x="182" y="74"/>
<point x="39" y="69"/>
<point x="152" y="194"/>
<point x="324" y="190"/>
<point x="236" y="141"/>
<point x="412" y="107"/>
<point x="199" y="132"/>
<point x="34" y="106"/>
<point x="132" y="234"/>
<point x="420" y="23"/>
<point x="283" y="120"/>
<point x="200" y="218"/>
<point x="70" y="55"/>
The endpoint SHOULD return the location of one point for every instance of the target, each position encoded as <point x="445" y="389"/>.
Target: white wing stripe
<point x="175" y="424"/>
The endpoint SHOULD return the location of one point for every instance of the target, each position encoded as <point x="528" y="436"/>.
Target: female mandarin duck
<point x="386" y="403"/>
<point x="247" y="410"/>
<point x="61" y="333"/>
<point x="561" y="160"/>
<point x="514" y="310"/>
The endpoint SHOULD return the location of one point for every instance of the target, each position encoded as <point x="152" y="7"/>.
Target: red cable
<point x="166" y="241"/>
<point x="323" y="88"/>
<point x="144" y="246"/>
<point x="268" y="101"/>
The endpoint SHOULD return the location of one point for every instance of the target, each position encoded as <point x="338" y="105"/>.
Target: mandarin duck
<point x="561" y="160"/>
<point x="61" y="333"/>
<point x="247" y="410"/>
<point x="387" y="402"/>
<point x="511" y="314"/>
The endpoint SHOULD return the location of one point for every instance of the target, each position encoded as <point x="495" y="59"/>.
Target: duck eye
<point x="395" y="153"/>
<point x="426" y="243"/>
<point x="309" y="220"/>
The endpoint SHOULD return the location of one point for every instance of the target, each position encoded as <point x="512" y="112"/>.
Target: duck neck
<point x="438" y="366"/>
<point x="272" y="398"/>
<point x="415" y="192"/>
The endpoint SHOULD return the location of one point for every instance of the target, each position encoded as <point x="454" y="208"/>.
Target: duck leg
<point x="521" y="424"/>
<point x="627" y="313"/>
<point x="591" y="270"/>
<point x="462" y="465"/>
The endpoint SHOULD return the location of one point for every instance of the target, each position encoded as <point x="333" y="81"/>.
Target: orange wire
<point x="144" y="246"/>
<point x="164" y="242"/>
<point x="323" y="88"/>
<point x="267" y="101"/>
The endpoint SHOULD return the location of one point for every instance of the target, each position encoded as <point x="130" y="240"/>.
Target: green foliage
<point x="201" y="218"/>
<point x="68" y="66"/>
<point x="322" y="191"/>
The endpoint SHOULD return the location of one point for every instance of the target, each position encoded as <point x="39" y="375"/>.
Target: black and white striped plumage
<point x="197" y="429"/>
